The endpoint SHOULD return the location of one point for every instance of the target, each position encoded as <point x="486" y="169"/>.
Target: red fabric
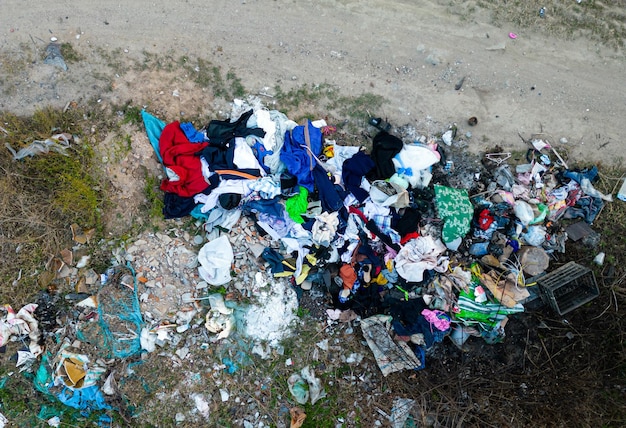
<point x="406" y="238"/>
<point x="180" y="155"/>
<point x="485" y="219"/>
<point x="353" y="210"/>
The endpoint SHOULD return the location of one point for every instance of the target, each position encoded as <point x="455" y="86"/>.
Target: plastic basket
<point x="568" y="287"/>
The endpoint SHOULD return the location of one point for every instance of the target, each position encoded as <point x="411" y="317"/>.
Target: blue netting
<point x="119" y="315"/>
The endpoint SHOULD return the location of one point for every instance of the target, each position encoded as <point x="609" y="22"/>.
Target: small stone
<point x="563" y="140"/>
<point x="182" y="352"/>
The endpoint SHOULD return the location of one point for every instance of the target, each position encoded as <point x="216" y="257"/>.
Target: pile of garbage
<point x="416" y="259"/>
<point x="286" y="210"/>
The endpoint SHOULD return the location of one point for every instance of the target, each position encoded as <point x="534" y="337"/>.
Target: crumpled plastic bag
<point x="524" y="212"/>
<point x="58" y="143"/>
<point x="298" y="388"/>
<point x="215" y="259"/>
<point x="316" y="392"/>
<point x="535" y="236"/>
<point x="219" y="319"/>
<point x="22" y="322"/>
<point x="305" y="385"/>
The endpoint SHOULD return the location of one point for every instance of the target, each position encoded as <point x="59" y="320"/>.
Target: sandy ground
<point x="411" y="52"/>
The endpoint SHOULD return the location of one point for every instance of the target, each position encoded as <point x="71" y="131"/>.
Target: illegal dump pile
<point x="398" y="240"/>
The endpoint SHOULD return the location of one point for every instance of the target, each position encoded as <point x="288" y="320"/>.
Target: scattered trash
<point x="21" y="323"/>
<point x="297" y="417"/>
<point x="512" y="36"/>
<point x="219" y="319"/>
<point x="54" y="56"/>
<point x="215" y="259"/>
<point x="58" y="143"/>
<point x="401" y="411"/>
<point x="621" y="193"/>
<point x="305" y="385"/>
<point x="202" y="405"/>
<point x="599" y="259"/>
<point x="285" y="216"/>
<point x="391" y="356"/>
<point x="568" y="287"/>
<point x="459" y="84"/>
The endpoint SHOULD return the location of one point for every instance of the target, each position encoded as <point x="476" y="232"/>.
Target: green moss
<point x="69" y="53"/>
<point x="154" y="196"/>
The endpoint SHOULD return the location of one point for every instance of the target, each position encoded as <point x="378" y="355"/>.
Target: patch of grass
<point x="70" y="55"/>
<point x="603" y="22"/>
<point x="41" y="196"/>
<point x="311" y="96"/>
<point x="302" y="312"/>
<point x="236" y="87"/>
<point x="357" y="109"/>
<point x="132" y="114"/>
<point x="209" y="76"/>
<point x="114" y="60"/>
<point x="154" y="197"/>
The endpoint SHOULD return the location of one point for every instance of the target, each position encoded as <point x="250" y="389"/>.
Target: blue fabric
<point x="586" y="207"/>
<point x="577" y="176"/>
<point x="192" y="133"/>
<point x="353" y="171"/>
<point x="297" y="158"/>
<point x="270" y="207"/>
<point x="260" y="152"/>
<point x="274" y="258"/>
<point x="154" y="127"/>
<point x="84" y="399"/>
<point x="327" y="192"/>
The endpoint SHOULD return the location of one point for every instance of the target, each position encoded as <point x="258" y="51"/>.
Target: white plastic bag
<point x="524" y="212"/>
<point x="215" y="259"/>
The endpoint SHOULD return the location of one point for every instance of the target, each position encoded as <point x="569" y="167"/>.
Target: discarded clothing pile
<point x="370" y="228"/>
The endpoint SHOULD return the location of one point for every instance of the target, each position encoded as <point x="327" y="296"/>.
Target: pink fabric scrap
<point x="437" y="318"/>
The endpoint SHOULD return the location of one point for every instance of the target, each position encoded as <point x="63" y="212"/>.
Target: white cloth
<point x="418" y="255"/>
<point x="341" y="154"/>
<point x="241" y="187"/>
<point x="244" y="158"/>
<point x="264" y="122"/>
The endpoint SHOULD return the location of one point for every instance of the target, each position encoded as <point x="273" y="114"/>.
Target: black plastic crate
<point x="568" y="287"/>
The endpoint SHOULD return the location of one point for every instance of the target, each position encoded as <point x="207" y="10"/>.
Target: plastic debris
<point x="20" y="323"/>
<point x="401" y="411"/>
<point x="305" y="385"/>
<point x="215" y="259"/>
<point x="297" y="417"/>
<point x="58" y="143"/>
<point x="54" y="56"/>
